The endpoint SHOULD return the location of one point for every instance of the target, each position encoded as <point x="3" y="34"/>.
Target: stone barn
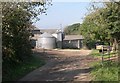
<point x="73" y="41"/>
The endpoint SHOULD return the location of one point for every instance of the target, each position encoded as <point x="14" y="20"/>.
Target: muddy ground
<point x="62" y="65"/>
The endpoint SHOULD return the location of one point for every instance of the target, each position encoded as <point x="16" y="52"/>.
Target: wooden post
<point x="102" y="54"/>
<point x="109" y="52"/>
<point x="78" y="43"/>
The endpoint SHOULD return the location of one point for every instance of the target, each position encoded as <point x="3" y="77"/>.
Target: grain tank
<point x="47" y="41"/>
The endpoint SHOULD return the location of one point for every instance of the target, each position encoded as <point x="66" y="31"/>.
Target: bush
<point x="90" y="44"/>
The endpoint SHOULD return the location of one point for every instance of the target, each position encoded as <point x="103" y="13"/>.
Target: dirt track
<point x="62" y="65"/>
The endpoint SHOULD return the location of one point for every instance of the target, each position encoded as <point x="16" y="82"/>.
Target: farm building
<point x="73" y="41"/>
<point x="51" y="31"/>
<point x="47" y="38"/>
<point x="35" y="35"/>
<point x="53" y="38"/>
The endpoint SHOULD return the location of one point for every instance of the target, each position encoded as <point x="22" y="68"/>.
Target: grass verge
<point x="106" y="72"/>
<point x="96" y="53"/>
<point x="14" y="73"/>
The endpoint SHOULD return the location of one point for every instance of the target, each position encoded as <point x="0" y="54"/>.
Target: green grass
<point x="108" y="71"/>
<point x="13" y="73"/>
<point x="96" y="53"/>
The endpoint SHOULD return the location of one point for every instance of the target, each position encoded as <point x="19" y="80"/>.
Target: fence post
<point x="109" y="52"/>
<point x="102" y="54"/>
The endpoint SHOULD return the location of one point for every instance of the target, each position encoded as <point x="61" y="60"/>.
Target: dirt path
<point x="62" y="65"/>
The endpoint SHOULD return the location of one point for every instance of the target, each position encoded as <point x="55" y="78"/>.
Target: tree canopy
<point x="72" y="29"/>
<point x="103" y="23"/>
<point x="17" y="19"/>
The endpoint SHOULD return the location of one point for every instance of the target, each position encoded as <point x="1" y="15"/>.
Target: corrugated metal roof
<point x="73" y="37"/>
<point x="46" y="35"/>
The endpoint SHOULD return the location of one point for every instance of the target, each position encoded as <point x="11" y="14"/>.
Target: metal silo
<point x="47" y="41"/>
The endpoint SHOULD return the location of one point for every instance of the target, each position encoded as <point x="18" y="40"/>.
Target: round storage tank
<point x="47" y="41"/>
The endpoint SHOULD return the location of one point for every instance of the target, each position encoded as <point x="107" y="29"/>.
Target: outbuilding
<point x="73" y="41"/>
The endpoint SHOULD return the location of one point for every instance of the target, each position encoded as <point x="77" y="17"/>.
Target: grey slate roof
<point x="73" y="37"/>
<point x="51" y="31"/>
<point x="46" y="35"/>
<point x="36" y="31"/>
<point x="36" y="28"/>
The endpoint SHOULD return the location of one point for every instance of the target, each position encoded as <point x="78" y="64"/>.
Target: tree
<point x="72" y="29"/>
<point x="112" y="16"/>
<point x="102" y="24"/>
<point x="17" y="18"/>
